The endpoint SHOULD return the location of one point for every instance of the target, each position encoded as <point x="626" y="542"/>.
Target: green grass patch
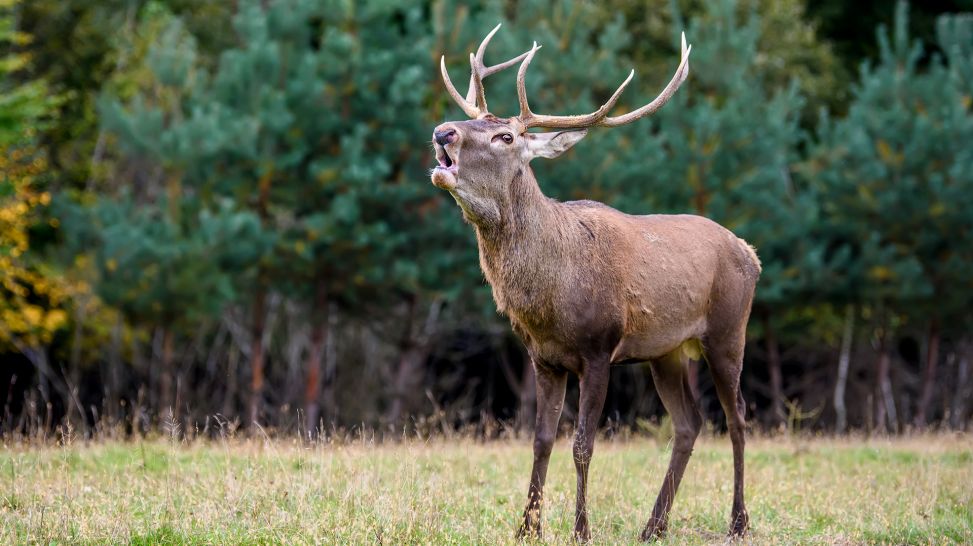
<point x="799" y="491"/>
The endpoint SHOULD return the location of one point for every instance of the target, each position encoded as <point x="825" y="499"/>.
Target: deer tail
<point x="752" y="257"/>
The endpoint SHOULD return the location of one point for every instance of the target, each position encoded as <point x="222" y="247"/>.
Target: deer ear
<point x="551" y="145"/>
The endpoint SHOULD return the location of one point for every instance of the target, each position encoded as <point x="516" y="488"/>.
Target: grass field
<point x="807" y="491"/>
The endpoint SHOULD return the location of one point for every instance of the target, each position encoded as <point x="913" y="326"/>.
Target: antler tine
<point x="468" y="109"/>
<point x="474" y="105"/>
<point x="599" y="116"/>
<point x="477" y="65"/>
<point x="530" y="119"/>
<point x="525" y="112"/>
<point x="680" y="76"/>
<point x="476" y="86"/>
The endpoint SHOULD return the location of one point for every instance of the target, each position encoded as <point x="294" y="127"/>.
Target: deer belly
<point x="648" y="345"/>
<point x="567" y="339"/>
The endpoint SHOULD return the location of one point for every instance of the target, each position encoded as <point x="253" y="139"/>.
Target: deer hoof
<point x="740" y="525"/>
<point x="653" y="530"/>
<point x="530" y="528"/>
<point x="528" y="532"/>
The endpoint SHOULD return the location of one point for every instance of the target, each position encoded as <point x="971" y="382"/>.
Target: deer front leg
<point x="550" y="400"/>
<point x="594" y="387"/>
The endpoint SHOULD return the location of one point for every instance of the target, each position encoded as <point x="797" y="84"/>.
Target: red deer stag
<point x="587" y="287"/>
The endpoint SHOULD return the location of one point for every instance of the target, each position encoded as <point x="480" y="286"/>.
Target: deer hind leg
<point x="550" y="401"/>
<point x="670" y="374"/>
<point x="725" y="358"/>
<point x="593" y="387"/>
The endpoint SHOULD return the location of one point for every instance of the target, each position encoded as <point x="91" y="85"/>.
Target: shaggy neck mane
<point x="527" y="216"/>
<point x="515" y="252"/>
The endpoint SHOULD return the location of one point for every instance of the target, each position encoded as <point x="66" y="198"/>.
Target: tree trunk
<point x="230" y="406"/>
<point x="319" y="332"/>
<point x="886" y="415"/>
<point x="880" y="406"/>
<point x="523" y="386"/>
<point x="844" y="359"/>
<point x="777" y="415"/>
<point x="73" y="375"/>
<point x="165" y="374"/>
<point x="957" y="417"/>
<point x="153" y="371"/>
<point x="928" y="375"/>
<point x="257" y="355"/>
<point x="328" y="400"/>
<point x="258" y="320"/>
<point x="115" y="374"/>
<point x="413" y="353"/>
<point x="404" y="374"/>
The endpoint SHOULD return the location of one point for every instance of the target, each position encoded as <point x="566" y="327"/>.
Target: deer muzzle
<point x="444" y="141"/>
<point x="444" y="137"/>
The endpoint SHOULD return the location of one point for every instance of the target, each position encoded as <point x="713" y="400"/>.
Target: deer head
<point x="478" y="158"/>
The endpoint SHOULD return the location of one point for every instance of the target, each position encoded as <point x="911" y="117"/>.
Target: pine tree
<point x="895" y="179"/>
<point x="303" y="124"/>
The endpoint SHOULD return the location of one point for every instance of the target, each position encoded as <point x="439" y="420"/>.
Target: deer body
<point x="579" y="276"/>
<point x="586" y="286"/>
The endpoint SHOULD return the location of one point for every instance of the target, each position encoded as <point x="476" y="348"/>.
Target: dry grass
<point x="915" y="490"/>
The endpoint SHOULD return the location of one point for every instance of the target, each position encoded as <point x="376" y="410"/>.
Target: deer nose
<point x="445" y="136"/>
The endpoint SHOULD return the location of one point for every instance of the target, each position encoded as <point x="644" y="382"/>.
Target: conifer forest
<point x="219" y="213"/>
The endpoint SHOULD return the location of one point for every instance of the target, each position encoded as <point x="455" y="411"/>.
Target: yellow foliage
<point x="32" y="298"/>
<point x="33" y="315"/>
<point x="881" y="273"/>
<point x="55" y="319"/>
<point x="866" y="195"/>
<point x="888" y="155"/>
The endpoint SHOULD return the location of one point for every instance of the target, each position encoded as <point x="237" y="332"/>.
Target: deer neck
<point x="515" y="251"/>
<point x="525" y="216"/>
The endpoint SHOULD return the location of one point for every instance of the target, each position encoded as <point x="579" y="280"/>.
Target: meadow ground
<point x="799" y="490"/>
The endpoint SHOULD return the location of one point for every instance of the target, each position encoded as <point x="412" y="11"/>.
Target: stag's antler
<point x="599" y="116"/>
<point x="478" y="71"/>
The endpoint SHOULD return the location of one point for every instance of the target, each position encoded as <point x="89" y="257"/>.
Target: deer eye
<point x="506" y="137"/>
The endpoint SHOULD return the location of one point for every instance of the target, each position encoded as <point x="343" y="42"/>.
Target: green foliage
<point x="793" y="50"/>
<point x="300" y="124"/>
<point x="33" y="296"/>
<point x="25" y="106"/>
<point x="199" y="153"/>
<point x="177" y="264"/>
<point x="896" y="175"/>
<point x="81" y="47"/>
<point x="850" y="26"/>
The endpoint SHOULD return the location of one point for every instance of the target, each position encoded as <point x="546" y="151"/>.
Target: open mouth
<point x="445" y="161"/>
